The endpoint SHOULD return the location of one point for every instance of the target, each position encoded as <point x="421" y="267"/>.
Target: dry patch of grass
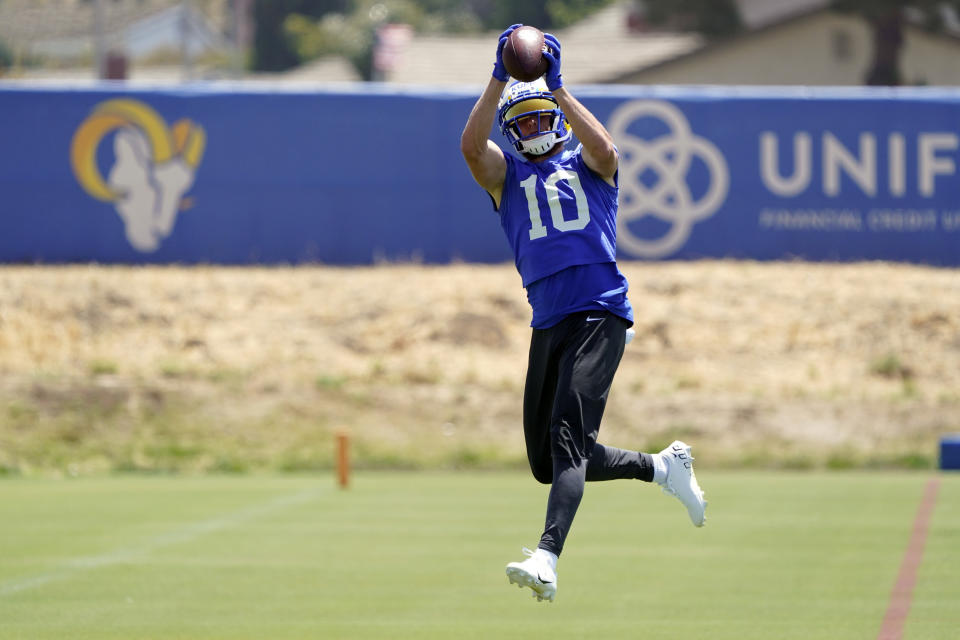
<point x="217" y="368"/>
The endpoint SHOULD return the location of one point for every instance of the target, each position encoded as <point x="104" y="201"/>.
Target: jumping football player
<point x="558" y="209"/>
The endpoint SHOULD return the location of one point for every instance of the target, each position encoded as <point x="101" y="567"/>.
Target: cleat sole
<point x="523" y="579"/>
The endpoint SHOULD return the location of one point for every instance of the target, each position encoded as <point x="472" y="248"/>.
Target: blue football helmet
<point x="522" y="99"/>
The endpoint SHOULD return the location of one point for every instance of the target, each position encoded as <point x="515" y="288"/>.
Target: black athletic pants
<point x="569" y="373"/>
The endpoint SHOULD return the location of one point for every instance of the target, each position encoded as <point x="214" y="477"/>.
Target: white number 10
<point x="537" y="229"/>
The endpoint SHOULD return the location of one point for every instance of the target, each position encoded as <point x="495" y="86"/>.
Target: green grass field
<point x="421" y="555"/>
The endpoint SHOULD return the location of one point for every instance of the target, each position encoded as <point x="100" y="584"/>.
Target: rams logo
<point x="153" y="166"/>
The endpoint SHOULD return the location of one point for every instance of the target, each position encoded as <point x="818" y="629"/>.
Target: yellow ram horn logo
<point x="154" y="166"/>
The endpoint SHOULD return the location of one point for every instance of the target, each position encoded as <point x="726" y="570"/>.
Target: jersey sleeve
<point x="595" y="184"/>
<point x="583" y="169"/>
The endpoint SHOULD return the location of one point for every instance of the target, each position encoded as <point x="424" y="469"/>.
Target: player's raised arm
<point x="599" y="152"/>
<point x="483" y="156"/>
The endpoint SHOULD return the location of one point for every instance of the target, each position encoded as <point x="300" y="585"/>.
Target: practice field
<point x="421" y="555"/>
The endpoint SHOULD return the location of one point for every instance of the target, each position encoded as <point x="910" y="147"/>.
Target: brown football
<point x="523" y="54"/>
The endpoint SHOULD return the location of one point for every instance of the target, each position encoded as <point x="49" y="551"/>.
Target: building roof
<point x="757" y="14"/>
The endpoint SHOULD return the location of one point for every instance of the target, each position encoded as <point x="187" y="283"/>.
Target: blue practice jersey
<point x="561" y="221"/>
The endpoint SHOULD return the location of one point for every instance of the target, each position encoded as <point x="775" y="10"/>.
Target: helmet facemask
<point x="532" y="99"/>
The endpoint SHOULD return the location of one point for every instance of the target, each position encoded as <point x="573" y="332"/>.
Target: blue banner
<point x="353" y="176"/>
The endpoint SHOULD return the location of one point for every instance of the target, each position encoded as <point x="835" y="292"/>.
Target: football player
<point x="558" y="208"/>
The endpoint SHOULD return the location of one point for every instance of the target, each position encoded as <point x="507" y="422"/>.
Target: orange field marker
<point x="343" y="459"/>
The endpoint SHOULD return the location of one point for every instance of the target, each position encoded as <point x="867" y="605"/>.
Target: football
<point x="523" y="54"/>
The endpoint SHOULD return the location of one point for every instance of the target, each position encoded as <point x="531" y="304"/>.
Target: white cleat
<point x="534" y="572"/>
<point x="681" y="481"/>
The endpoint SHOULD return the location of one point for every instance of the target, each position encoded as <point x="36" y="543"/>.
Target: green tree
<point x="544" y="14"/>
<point x="887" y="19"/>
<point x="566" y="12"/>
<point x="272" y="46"/>
<point x="350" y="33"/>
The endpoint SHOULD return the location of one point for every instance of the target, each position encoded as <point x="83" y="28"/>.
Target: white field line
<point x="177" y="536"/>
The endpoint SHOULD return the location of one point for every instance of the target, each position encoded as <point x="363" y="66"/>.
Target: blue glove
<point x="499" y="71"/>
<point x="552" y="54"/>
